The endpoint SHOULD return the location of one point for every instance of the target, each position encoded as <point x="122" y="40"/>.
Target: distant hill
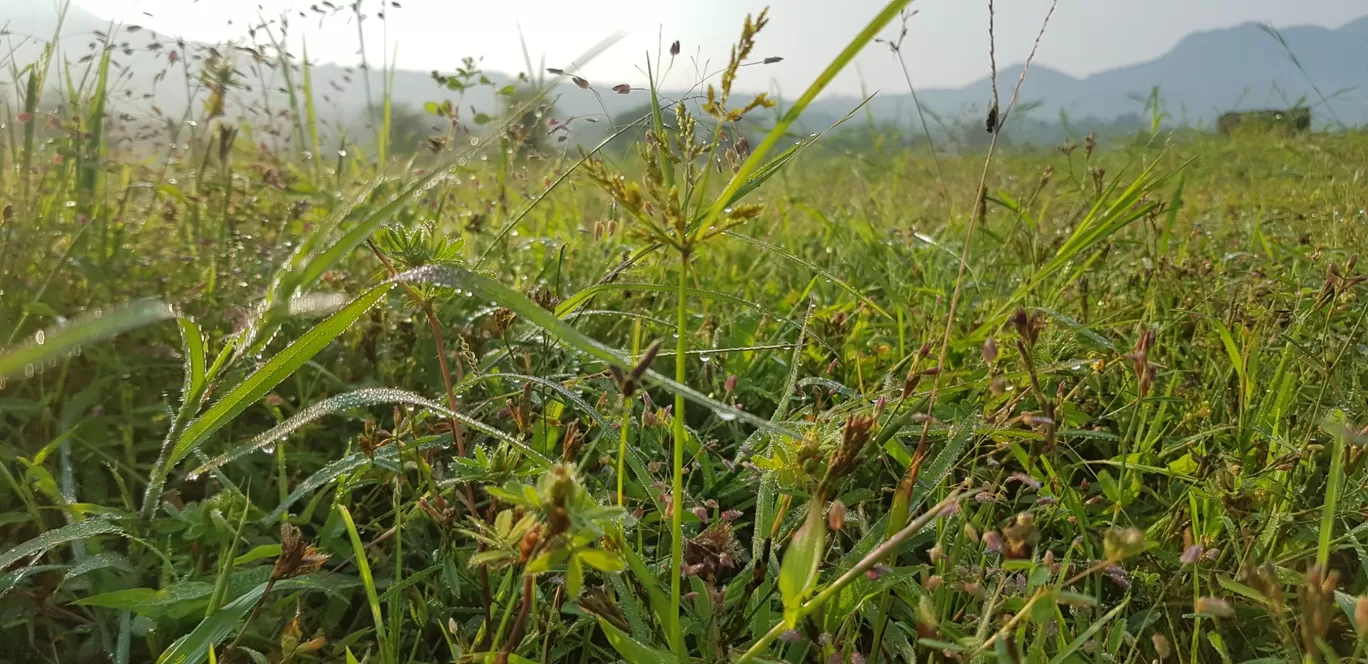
<point x="1204" y="75"/>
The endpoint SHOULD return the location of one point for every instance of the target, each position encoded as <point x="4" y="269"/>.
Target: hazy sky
<point x="947" y="43"/>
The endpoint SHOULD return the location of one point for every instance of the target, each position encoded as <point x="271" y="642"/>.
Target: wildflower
<point x="1191" y="555"/>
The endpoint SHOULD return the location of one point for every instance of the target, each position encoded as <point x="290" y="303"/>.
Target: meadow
<point x="676" y="396"/>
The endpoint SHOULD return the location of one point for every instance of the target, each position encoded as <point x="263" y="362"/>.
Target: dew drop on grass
<point x="725" y="415"/>
<point x="40" y="338"/>
<point x="29" y="371"/>
<point x="705" y="358"/>
<point x="269" y="447"/>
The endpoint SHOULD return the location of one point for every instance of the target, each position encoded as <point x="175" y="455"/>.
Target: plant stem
<point x="516" y="633"/>
<point x="677" y="479"/>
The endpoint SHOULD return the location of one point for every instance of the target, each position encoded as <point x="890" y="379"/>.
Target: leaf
<point x="482" y="119"/>
<point x="21" y="361"/>
<point x="99" y="561"/>
<point x="798" y="571"/>
<point x="259" y="552"/>
<point x="80" y="530"/>
<point x="128" y="599"/>
<point x="346" y="465"/>
<point x="367" y="581"/>
<point x="602" y="560"/>
<point x="431" y="108"/>
<point x="454" y="277"/>
<point x="630" y="649"/>
<point x="40" y="309"/>
<point x="193" y="648"/>
<point x="574" y="577"/>
<point x="264" y="379"/>
<point x="192" y="345"/>
<point x="1337" y="425"/>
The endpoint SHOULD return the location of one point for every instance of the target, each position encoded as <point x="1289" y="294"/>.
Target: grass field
<point x="1088" y="404"/>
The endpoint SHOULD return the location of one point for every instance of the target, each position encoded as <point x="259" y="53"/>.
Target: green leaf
<point x="574" y="577"/>
<point x="263" y="380"/>
<point x="367" y="581"/>
<point x="1337" y="425"/>
<point x="40" y="309"/>
<point x="193" y="648"/>
<point x="128" y="599"/>
<point x="602" y="560"/>
<point x="482" y="119"/>
<point x="257" y="553"/>
<point x="798" y="571"/>
<point x="431" y="108"/>
<point x="22" y="361"/>
<point x="104" y="560"/>
<point x="80" y="530"/>
<point x="630" y="649"/>
<point x="192" y="345"/>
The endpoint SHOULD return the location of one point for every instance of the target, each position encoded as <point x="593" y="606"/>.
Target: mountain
<point x="1205" y="74"/>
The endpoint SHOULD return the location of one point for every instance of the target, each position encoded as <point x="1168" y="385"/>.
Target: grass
<point x="416" y="408"/>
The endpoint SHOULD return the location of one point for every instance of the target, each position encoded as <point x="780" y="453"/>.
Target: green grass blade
<point x="341" y="467"/>
<point x="372" y="396"/>
<point x="192" y="345"/>
<point x="367" y="581"/>
<point x="773" y="166"/>
<point x="263" y="380"/>
<point x="1338" y="427"/>
<point x="193" y="648"/>
<point x="50" y="344"/>
<point x="310" y="113"/>
<point x="80" y="530"/>
<point x="632" y="651"/>
<point x="882" y="19"/>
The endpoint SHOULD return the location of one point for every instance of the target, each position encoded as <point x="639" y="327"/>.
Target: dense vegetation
<point x="1093" y="404"/>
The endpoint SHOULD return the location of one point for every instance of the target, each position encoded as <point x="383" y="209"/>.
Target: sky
<point x="946" y="45"/>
